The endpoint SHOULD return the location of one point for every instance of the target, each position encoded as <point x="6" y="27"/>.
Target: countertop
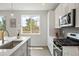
<point x="8" y="52"/>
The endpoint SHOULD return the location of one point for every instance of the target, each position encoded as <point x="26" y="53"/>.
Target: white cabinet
<point x="71" y="6"/>
<point x="70" y="50"/>
<point x="61" y="10"/>
<point x="57" y="15"/>
<point x="75" y="6"/>
<point x="21" y="51"/>
<point x="56" y="19"/>
<point x="51" y="22"/>
<point x="50" y="45"/>
<point x="77" y="15"/>
<point x="67" y="7"/>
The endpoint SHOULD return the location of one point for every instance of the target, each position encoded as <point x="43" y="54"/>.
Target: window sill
<point x="30" y="34"/>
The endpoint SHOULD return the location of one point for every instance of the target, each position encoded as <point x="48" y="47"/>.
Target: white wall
<point x="37" y="40"/>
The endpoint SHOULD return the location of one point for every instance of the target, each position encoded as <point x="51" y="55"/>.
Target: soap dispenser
<point x="18" y="35"/>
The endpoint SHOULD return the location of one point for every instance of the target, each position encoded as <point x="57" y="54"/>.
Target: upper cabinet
<point x="51" y="24"/>
<point x="57" y="15"/>
<point x="77" y="15"/>
<point x="63" y="9"/>
<point x="67" y="7"/>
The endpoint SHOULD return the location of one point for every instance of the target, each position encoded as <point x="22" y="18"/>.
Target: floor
<point x="39" y="51"/>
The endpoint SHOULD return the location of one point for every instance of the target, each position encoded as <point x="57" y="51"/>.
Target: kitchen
<point x="65" y="35"/>
<point x="39" y="29"/>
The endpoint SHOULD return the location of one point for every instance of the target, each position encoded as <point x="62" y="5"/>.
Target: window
<point x="30" y="24"/>
<point x="2" y="23"/>
<point x="2" y="26"/>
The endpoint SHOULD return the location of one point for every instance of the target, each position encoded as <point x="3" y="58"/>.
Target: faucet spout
<point x="2" y="37"/>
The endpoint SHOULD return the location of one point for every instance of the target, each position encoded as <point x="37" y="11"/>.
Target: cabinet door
<point x="50" y="45"/>
<point x="71" y="6"/>
<point x="77" y="15"/>
<point x="59" y="12"/>
<point x="21" y="51"/>
<point x="51" y="22"/>
<point x="65" y="8"/>
<point x="18" y="52"/>
<point x="57" y="15"/>
<point x="62" y="9"/>
<point x="70" y="51"/>
<point x="68" y="7"/>
<point x="28" y="49"/>
<point x="51" y="48"/>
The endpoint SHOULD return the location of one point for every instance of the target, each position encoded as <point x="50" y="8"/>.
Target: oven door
<point x="57" y="51"/>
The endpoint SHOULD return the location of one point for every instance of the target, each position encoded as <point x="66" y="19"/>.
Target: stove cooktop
<point x="66" y="42"/>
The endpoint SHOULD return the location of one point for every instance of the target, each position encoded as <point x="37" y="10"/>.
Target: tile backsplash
<point x="70" y="30"/>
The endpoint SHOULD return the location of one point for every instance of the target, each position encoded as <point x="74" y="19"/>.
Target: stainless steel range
<point x="72" y="39"/>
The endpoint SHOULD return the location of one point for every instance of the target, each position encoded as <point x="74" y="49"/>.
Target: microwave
<point x="68" y="19"/>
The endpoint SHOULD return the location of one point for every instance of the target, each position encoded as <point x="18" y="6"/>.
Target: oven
<point x="57" y="51"/>
<point x="72" y="39"/>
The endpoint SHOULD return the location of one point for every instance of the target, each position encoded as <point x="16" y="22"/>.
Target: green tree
<point x="3" y="24"/>
<point x="30" y="23"/>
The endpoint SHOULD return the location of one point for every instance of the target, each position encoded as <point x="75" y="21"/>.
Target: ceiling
<point x="28" y="6"/>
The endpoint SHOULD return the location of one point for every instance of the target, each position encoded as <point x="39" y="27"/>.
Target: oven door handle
<point x="55" y="47"/>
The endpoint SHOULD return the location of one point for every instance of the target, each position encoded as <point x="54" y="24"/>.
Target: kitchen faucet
<point x="3" y="35"/>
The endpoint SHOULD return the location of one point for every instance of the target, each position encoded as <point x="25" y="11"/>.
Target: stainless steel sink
<point x="10" y="45"/>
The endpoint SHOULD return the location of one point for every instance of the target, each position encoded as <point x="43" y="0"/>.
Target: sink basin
<point x="10" y="45"/>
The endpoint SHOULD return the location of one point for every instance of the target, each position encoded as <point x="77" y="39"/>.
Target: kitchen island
<point x="20" y="49"/>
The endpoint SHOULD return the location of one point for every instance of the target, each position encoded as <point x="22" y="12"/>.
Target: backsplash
<point x="70" y="30"/>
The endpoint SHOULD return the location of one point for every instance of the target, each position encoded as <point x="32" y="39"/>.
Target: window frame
<point x="31" y="31"/>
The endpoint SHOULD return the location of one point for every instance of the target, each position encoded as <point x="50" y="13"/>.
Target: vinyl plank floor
<point x="39" y="51"/>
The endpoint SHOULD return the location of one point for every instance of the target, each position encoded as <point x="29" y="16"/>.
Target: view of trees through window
<point x="30" y="24"/>
<point x="2" y="23"/>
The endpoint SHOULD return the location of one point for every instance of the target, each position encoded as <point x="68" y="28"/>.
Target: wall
<point x="37" y="40"/>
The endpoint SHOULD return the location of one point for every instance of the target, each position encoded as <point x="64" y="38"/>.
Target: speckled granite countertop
<point x="8" y="52"/>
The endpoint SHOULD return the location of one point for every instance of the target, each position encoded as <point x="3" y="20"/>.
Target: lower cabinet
<point x="70" y="50"/>
<point x="21" y="51"/>
<point x="28" y="49"/>
<point x="50" y="45"/>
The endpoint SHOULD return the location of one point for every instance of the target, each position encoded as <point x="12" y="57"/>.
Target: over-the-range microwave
<point x="68" y="19"/>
